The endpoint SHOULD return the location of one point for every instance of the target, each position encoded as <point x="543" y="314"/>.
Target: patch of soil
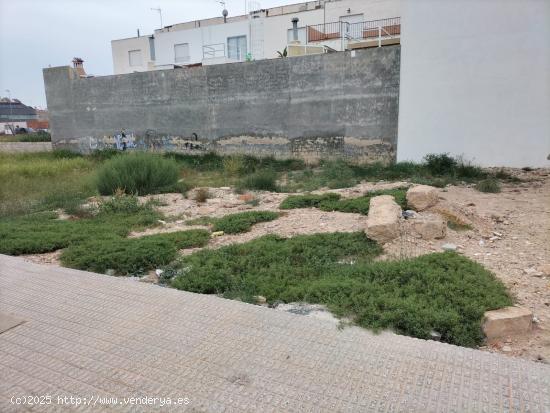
<point x="50" y="258"/>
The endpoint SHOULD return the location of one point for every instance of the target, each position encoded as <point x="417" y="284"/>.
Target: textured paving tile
<point x="92" y="336"/>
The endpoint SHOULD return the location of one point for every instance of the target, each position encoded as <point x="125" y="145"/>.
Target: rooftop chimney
<point x="295" y="28"/>
<point x="78" y="65"/>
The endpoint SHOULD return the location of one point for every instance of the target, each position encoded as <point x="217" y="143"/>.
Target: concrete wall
<point x="335" y="105"/>
<point x="475" y="80"/>
<point x="25" y="147"/>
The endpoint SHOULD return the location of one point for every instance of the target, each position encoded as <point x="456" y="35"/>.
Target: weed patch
<point x="490" y="185"/>
<point x="243" y="221"/>
<point x="444" y="292"/>
<point x="308" y="200"/>
<point x="333" y="202"/>
<point x="201" y="195"/>
<point x="235" y="223"/>
<point x="131" y="255"/>
<point x="264" y="180"/>
<point x="137" y="173"/>
<point x="43" y="232"/>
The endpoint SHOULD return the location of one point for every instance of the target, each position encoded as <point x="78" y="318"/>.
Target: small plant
<point x="137" y="173"/>
<point x="242" y="222"/>
<point x="201" y="195"/>
<point x="263" y="180"/>
<point x="284" y="53"/>
<point x="233" y="165"/>
<point x="254" y="202"/>
<point x="489" y="185"/>
<point x="308" y="200"/>
<point x="458" y="226"/>
<point x="121" y="203"/>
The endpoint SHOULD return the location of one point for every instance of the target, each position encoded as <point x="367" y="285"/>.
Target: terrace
<point x="343" y="35"/>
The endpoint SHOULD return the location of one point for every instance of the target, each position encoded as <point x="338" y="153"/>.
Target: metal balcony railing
<point x="212" y="51"/>
<point x="354" y="31"/>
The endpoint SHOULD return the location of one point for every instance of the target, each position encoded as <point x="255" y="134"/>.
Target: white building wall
<point x="276" y="29"/>
<point x="371" y="9"/>
<point x="196" y="38"/>
<point x="121" y="48"/>
<point x="475" y="81"/>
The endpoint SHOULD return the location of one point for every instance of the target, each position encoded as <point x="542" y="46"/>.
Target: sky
<point x="40" y="33"/>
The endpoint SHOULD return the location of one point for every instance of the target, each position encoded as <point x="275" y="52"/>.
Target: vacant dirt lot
<point x="509" y="233"/>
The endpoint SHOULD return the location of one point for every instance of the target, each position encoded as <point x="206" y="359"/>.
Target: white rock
<point x="429" y="226"/>
<point x="507" y="322"/>
<point x="449" y="247"/>
<point x="421" y="197"/>
<point x="383" y="219"/>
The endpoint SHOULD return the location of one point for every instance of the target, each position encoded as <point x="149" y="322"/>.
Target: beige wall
<point x="120" y="49"/>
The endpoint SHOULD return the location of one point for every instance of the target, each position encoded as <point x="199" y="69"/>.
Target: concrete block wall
<point x="311" y="107"/>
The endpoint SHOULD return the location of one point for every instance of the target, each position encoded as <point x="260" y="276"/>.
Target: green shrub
<point x="264" y="180"/>
<point x="440" y="164"/>
<point x="490" y="185"/>
<point x="137" y="173"/>
<point x="131" y="255"/>
<point x="444" y="292"/>
<point x="122" y="203"/>
<point x="243" y="221"/>
<point x="307" y="201"/>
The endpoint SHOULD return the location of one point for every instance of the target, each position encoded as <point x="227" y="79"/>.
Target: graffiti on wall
<point x="124" y="140"/>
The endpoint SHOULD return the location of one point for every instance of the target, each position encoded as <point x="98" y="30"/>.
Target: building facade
<point x="332" y="24"/>
<point x="14" y="115"/>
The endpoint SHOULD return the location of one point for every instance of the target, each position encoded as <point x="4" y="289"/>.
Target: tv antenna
<point x="159" y="10"/>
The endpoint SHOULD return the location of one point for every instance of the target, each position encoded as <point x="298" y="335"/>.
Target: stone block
<point x="422" y="197"/>
<point x="507" y="321"/>
<point x="383" y="219"/>
<point x="429" y="226"/>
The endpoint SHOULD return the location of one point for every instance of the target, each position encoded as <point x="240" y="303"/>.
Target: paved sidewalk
<point x="88" y="335"/>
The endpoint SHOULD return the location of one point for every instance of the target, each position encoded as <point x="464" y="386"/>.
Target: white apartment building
<point x="325" y="24"/>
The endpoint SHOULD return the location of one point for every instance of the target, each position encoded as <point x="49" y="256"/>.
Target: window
<point x="236" y="47"/>
<point x="181" y="53"/>
<point x="134" y="58"/>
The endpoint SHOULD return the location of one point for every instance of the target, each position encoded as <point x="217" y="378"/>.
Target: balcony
<point x="343" y="35"/>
